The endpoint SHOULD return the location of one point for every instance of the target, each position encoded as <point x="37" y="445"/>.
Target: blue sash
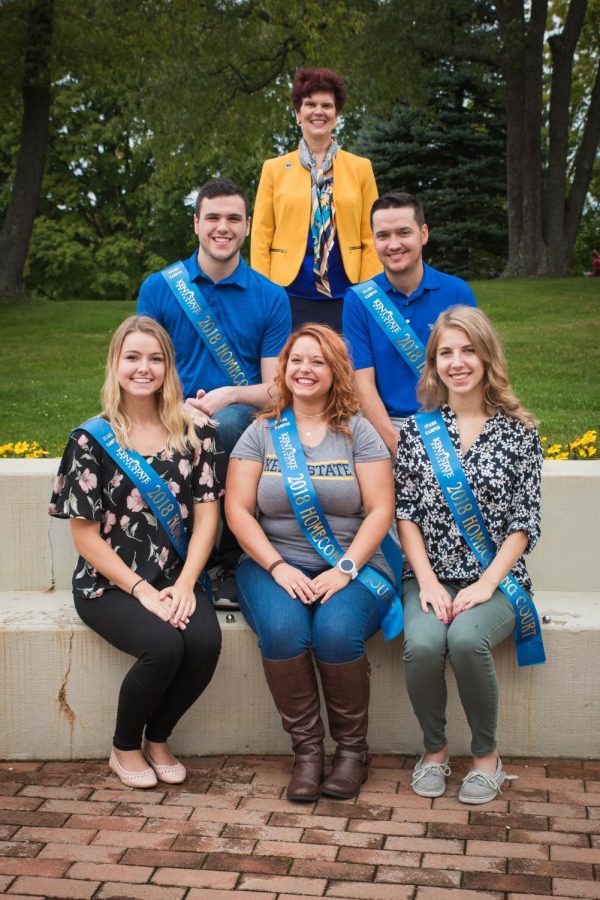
<point x="309" y="514"/>
<point x="151" y="486"/>
<point x="203" y="319"/>
<point x="393" y="324"/>
<point x="467" y="514"/>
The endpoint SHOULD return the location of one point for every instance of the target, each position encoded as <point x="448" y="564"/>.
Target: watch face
<point x="347" y="566"/>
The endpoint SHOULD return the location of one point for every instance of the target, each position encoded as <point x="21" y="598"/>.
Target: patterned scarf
<point x="322" y="225"/>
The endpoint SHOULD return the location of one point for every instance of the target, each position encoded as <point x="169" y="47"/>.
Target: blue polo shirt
<point x="369" y="347"/>
<point x="253" y="312"/>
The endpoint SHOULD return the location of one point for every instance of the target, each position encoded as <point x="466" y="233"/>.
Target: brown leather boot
<point x="293" y="685"/>
<point x="346" y="690"/>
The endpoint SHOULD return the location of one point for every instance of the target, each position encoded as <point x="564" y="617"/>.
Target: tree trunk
<point x="562" y="47"/>
<point x="511" y="28"/>
<point x="544" y="212"/>
<point x="23" y="203"/>
<point x="584" y="167"/>
<point x="523" y="53"/>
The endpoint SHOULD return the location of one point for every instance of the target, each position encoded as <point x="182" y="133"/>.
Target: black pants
<point x="172" y="668"/>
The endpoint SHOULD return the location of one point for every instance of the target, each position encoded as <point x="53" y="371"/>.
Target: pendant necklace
<point x="313" y="416"/>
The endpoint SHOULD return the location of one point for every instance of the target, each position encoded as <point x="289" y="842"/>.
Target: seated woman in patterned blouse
<point x="130" y="584"/>
<point x="453" y="608"/>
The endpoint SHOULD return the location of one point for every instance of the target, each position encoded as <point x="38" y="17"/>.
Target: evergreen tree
<point x="451" y="153"/>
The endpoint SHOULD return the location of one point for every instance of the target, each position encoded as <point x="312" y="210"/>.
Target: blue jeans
<point x="232" y="421"/>
<point x="336" y="631"/>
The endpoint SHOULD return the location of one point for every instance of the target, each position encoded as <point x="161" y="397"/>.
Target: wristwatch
<point x="347" y="566"/>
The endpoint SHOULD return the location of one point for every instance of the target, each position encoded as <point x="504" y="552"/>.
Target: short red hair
<point x="308" y="81"/>
<point x="343" y="400"/>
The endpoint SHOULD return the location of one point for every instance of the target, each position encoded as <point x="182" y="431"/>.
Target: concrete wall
<point x="60" y="681"/>
<point x="36" y="552"/>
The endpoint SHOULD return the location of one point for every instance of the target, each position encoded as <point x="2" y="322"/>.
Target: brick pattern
<point x="72" y="830"/>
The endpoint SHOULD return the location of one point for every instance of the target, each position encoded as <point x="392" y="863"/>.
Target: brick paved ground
<point x="72" y="830"/>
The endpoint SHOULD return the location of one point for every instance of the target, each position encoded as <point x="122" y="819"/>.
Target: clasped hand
<point x="308" y="590"/>
<point x="435" y="595"/>
<point x="478" y="592"/>
<point x="174" y="604"/>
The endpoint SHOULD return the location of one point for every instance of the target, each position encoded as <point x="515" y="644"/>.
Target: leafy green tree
<point x="103" y="221"/>
<point x="188" y="89"/>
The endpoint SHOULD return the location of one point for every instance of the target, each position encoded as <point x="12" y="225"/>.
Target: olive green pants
<point x="467" y="641"/>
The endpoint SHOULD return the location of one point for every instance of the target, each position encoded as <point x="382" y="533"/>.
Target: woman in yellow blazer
<point x="310" y="229"/>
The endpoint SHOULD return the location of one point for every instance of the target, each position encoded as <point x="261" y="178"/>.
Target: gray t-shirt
<point x="331" y="466"/>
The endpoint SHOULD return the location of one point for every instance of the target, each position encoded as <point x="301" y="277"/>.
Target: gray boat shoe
<point x="429" y="779"/>
<point x="479" y="787"/>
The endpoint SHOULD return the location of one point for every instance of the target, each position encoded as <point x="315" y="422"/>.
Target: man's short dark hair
<point x="220" y="187"/>
<point x="398" y="200"/>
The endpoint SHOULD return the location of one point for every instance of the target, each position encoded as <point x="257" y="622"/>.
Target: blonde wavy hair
<point x="176" y="418"/>
<point x="498" y="394"/>
<point x="343" y="400"/>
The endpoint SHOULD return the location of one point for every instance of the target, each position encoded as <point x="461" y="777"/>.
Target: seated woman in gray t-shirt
<point x="291" y="598"/>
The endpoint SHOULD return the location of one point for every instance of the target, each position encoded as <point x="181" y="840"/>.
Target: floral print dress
<point x="90" y="485"/>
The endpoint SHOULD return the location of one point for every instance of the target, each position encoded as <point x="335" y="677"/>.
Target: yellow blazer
<point x="282" y="217"/>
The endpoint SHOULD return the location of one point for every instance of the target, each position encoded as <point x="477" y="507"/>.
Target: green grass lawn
<point x="52" y="363"/>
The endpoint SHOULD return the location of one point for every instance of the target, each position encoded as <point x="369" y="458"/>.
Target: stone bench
<point x="60" y="680"/>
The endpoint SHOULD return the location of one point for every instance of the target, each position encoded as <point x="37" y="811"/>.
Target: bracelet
<point x="139" y="581"/>
<point x="273" y="565"/>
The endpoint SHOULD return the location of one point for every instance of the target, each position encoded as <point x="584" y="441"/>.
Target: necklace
<point x="311" y="416"/>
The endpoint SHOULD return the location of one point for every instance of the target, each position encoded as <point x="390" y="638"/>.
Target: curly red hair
<point x="308" y="81"/>
<point x="343" y="400"/>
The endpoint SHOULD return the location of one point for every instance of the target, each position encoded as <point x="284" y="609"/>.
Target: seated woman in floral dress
<point x="131" y="584"/>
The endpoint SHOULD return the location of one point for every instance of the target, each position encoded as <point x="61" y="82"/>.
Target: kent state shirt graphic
<point x="319" y="470"/>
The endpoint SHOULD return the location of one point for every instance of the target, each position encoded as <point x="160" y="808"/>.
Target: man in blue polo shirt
<point x="386" y="383"/>
<point x="251" y="311"/>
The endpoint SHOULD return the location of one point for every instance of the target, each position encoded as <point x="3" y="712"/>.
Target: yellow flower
<point x="555" y="448"/>
<point x="544" y="439"/>
<point x="22" y="449"/>
<point x="561" y="456"/>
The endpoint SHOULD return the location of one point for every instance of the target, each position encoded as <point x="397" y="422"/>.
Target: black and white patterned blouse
<point x="503" y="467"/>
<point x="90" y="485"/>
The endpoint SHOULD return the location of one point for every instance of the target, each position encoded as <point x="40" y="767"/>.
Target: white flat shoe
<point x="174" y="774"/>
<point x="144" y="779"/>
